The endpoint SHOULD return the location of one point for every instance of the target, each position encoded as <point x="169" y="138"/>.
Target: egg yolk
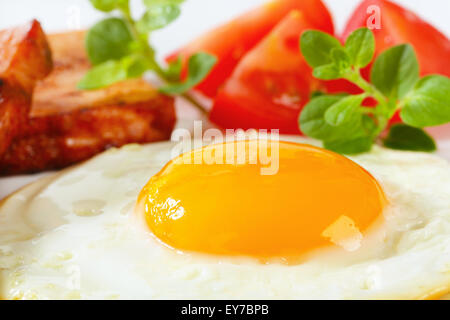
<point x="314" y="199"/>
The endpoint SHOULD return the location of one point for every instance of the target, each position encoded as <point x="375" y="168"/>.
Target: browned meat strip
<point x="67" y="125"/>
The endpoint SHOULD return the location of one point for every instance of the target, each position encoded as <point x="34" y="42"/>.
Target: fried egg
<point x="136" y="223"/>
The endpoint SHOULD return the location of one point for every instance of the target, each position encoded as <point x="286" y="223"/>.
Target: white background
<point x="197" y="16"/>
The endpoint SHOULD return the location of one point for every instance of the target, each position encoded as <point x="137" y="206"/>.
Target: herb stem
<point x="149" y="54"/>
<point x="130" y="22"/>
<point x="384" y="111"/>
<point x="355" y="77"/>
<point x="194" y="102"/>
<point x="160" y="72"/>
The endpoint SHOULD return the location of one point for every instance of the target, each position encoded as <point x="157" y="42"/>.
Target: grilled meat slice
<point x="67" y="125"/>
<point x="25" y="55"/>
<point x="14" y="106"/>
<point x="25" y="58"/>
<point x="60" y="140"/>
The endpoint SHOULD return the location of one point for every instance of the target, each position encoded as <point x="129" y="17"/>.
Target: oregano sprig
<point x="343" y="123"/>
<point x="119" y="49"/>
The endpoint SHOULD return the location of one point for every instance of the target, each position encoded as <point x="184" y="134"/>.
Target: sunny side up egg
<point x="323" y="227"/>
<point x="225" y="208"/>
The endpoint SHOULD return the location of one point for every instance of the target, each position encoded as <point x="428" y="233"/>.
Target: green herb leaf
<point x="327" y="72"/>
<point x="109" y="5"/>
<point x="360" y="46"/>
<point x="341" y="59"/>
<point x="103" y="75"/>
<point x="337" y="68"/>
<point x="157" y="17"/>
<point x="313" y="124"/>
<point x="395" y="71"/>
<point x="199" y="66"/>
<point x="135" y="65"/>
<point x="429" y="102"/>
<point x="113" y="71"/>
<point x="345" y="111"/>
<point x="119" y="49"/>
<point x="109" y="39"/>
<point x="174" y="69"/>
<point x="404" y="137"/>
<point x="316" y="47"/>
<point x="347" y="127"/>
<point x="368" y="125"/>
<point x="316" y="93"/>
<point x="351" y="146"/>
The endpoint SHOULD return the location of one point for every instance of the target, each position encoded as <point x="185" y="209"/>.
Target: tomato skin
<point x="398" y="25"/>
<point x="271" y="83"/>
<point x="231" y="41"/>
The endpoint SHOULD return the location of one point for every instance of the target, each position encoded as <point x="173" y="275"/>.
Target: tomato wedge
<point x="271" y="83"/>
<point x="398" y="25"/>
<point x="230" y="42"/>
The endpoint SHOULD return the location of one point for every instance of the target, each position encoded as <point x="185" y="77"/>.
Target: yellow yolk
<point x="316" y="198"/>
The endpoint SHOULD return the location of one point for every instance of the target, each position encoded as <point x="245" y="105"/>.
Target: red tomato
<point x="230" y="42"/>
<point x="271" y="83"/>
<point x="399" y="25"/>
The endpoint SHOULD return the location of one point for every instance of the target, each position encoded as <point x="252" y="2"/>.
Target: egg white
<point x="75" y="235"/>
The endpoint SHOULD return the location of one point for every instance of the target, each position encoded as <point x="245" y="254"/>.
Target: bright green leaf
<point x="404" y="137"/>
<point x="345" y="111"/>
<point x="316" y="47"/>
<point x="336" y="69"/>
<point x="327" y="72"/>
<point x="350" y="146"/>
<point x="103" y="75"/>
<point x="313" y="124"/>
<point x="360" y="46"/>
<point x="174" y="69"/>
<point x="395" y="71"/>
<point x="109" y="5"/>
<point x="157" y="17"/>
<point x="429" y="102"/>
<point x="368" y="125"/>
<point x="316" y="93"/>
<point x="135" y="65"/>
<point x="113" y="71"/>
<point x="341" y="59"/>
<point x="109" y="39"/>
<point x="199" y="65"/>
